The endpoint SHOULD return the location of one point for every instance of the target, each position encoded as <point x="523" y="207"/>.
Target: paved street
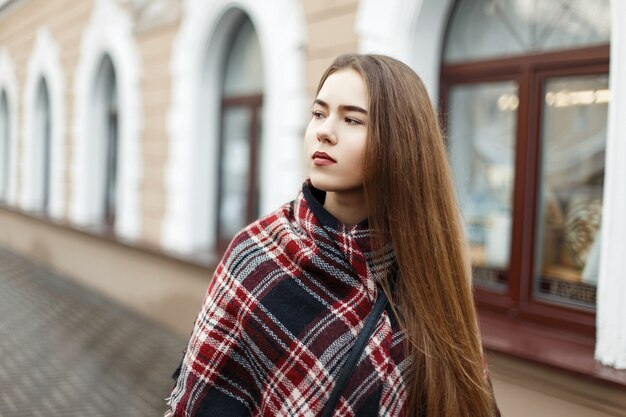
<point x="65" y="351"/>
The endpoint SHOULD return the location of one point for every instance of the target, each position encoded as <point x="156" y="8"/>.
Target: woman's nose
<point x="326" y="132"/>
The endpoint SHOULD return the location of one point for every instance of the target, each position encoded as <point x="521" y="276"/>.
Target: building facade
<point x="136" y="137"/>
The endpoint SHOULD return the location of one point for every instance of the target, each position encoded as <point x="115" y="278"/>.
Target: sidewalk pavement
<point x="66" y="351"/>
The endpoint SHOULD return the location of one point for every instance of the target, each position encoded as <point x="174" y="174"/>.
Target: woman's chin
<point x="322" y="182"/>
<point x="326" y="184"/>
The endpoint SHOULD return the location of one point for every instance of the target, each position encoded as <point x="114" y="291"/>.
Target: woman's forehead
<point x="345" y="87"/>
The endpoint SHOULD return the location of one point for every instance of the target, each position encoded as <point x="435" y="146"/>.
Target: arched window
<point x="5" y="145"/>
<point x="107" y="99"/>
<point x="525" y="96"/>
<point x="204" y="43"/>
<point x="43" y="150"/>
<point x="42" y="147"/>
<point x="105" y="117"/>
<point x="240" y="135"/>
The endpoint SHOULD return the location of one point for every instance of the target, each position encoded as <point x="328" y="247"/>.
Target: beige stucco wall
<point x="330" y="32"/>
<point x="18" y="29"/>
<point x="161" y="288"/>
<point x="155" y="46"/>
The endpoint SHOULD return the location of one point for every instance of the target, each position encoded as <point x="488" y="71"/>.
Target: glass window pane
<point x="244" y="75"/>
<point x="4" y="145"/>
<point x="42" y="145"/>
<point x="482" y="123"/>
<point x="481" y="29"/>
<point x="235" y="171"/>
<point x="572" y="177"/>
<point x="111" y="135"/>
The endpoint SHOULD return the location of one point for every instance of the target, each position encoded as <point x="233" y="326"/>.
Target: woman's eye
<point x="317" y="114"/>
<point x="352" y="121"/>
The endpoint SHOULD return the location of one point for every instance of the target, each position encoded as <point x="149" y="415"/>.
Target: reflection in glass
<point x="481" y="128"/>
<point x="572" y="177"/>
<point x="483" y="29"/>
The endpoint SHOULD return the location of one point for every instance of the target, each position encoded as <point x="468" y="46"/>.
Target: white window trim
<point x="611" y="310"/>
<point x="189" y="223"/>
<point x="109" y="32"/>
<point x="8" y="84"/>
<point x="44" y="62"/>
<point x="409" y="30"/>
<point x="413" y="31"/>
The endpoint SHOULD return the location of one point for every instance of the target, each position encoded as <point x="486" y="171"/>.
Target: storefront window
<point x="525" y="100"/>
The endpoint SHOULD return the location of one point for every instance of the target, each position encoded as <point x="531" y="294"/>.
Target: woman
<point x="377" y="216"/>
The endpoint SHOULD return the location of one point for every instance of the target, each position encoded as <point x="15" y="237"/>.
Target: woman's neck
<point x="347" y="206"/>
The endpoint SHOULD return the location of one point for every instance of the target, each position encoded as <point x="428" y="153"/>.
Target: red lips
<point x="322" y="158"/>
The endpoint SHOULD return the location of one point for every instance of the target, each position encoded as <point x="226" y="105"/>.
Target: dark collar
<point x="315" y="199"/>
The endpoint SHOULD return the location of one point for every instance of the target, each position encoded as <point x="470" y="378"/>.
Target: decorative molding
<point x="197" y="56"/>
<point x="109" y="32"/>
<point x="44" y="62"/>
<point x="611" y="309"/>
<point x="8" y="84"/>
<point x="152" y="14"/>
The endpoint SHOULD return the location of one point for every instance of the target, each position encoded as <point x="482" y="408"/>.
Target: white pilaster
<point x="611" y="296"/>
<point x="8" y="84"/>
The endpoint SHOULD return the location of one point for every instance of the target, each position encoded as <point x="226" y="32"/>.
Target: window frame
<point x="518" y="302"/>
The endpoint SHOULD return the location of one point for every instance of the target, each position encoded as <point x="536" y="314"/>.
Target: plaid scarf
<point x="284" y="307"/>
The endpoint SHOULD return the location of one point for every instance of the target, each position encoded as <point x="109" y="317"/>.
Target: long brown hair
<point x="411" y="202"/>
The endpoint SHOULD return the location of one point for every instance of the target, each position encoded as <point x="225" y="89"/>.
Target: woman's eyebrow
<point x="353" y="108"/>
<point x="343" y="107"/>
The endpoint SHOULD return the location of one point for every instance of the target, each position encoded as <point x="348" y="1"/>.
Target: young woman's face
<point x="335" y="137"/>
